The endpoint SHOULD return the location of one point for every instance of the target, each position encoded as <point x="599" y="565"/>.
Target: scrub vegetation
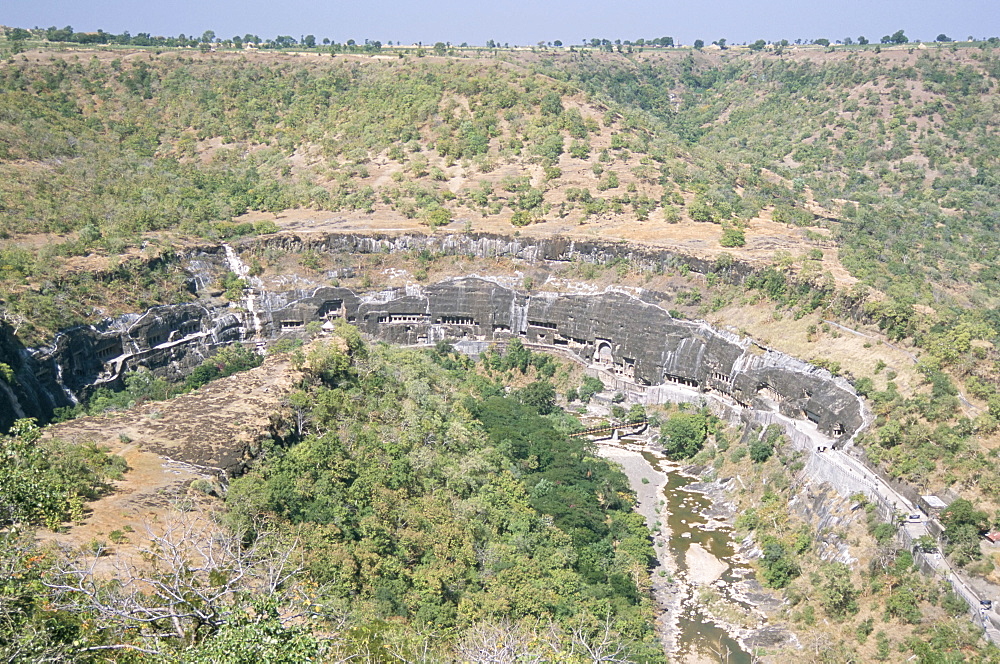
<point x="457" y="512"/>
<point x="417" y="507"/>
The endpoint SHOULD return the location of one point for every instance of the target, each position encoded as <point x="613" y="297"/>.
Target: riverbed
<point x="700" y="583"/>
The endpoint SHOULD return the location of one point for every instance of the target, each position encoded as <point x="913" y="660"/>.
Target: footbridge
<point x="613" y="431"/>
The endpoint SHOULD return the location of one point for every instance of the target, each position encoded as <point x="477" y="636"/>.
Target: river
<point x="698" y="564"/>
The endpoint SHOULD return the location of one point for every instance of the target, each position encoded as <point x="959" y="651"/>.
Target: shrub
<point x="590" y="387"/>
<point x="733" y="237"/>
<point x="46" y="482"/>
<point x="233" y="286"/>
<point x="761" y="451"/>
<point x="777" y="566"/>
<point x="438" y="217"/>
<point x="520" y="218"/>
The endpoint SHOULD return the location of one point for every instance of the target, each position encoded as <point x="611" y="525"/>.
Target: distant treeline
<point x="210" y="38"/>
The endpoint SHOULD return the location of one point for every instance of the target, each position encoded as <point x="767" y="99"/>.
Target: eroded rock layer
<point x="636" y="339"/>
<point x="619" y="331"/>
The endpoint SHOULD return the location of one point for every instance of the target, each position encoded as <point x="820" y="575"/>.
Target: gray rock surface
<point x="629" y="335"/>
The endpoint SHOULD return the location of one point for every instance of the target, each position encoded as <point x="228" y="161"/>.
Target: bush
<point x="539" y="395"/>
<point x="904" y="604"/>
<point x="46" y="482"/>
<point x="438" y="217"/>
<point x="964" y="525"/>
<point x="233" y="286"/>
<point x="777" y="566"/>
<point x="838" y="594"/>
<point x="226" y="362"/>
<point x="761" y="450"/>
<point x="883" y="532"/>
<point x="865" y="629"/>
<point x="733" y="237"/>
<point x="590" y="387"/>
<point x="882" y="643"/>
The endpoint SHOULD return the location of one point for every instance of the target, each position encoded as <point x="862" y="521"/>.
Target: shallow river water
<point x="693" y="539"/>
<point x="699" y="636"/>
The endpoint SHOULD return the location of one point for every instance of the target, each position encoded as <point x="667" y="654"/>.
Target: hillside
<point x="861" y="185"/>
<point x="902" y="144"/>
<point x="838" y="204"/>
<point x="889" y="152"/>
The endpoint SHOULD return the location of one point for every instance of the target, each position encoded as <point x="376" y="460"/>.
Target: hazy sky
<point x="519" y="21"/>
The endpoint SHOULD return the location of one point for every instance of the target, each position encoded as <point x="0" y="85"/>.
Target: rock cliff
<point x="622" y="332"/>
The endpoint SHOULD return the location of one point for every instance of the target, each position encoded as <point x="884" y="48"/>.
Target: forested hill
<point x="894" y="151"/>
<point x="855" y="187"/>
<point x="902" y="143"/>
<point x="859" y="183"/>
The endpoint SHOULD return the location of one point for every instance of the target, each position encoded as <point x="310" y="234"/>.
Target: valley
<point x="347" y="332"/>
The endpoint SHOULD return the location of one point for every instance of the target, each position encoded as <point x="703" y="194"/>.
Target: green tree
<point x="589" y="388"/>
<point x="778" y="568"/>
<point x="761" y="450"/>
<point x="733" y="237"/>
<point x="758" y="45"/>
<point x="330" y="363"/>
<point x="838" y="593"/>
<point x="439" y="217"/>
<point x="699" y="44"/>
<point x="685" y="434"/>
<point x="882" y="646"/>
<point x="440" y="48"/>
<point x="540" y="395"/>
<point x="520" y="218"/>
<point x="551" y="104"/>
<point x="251" y="639"/>
<point x="46" y="482"/>
<point x="964" y="525"/>
<point x="903" y="603"/>
<point x="517" y="356"/>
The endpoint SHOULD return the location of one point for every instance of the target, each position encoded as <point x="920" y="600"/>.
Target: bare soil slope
<point x="170" y="444"/>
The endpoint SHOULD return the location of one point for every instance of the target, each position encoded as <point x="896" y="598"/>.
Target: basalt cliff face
<point x="623" y="332"/>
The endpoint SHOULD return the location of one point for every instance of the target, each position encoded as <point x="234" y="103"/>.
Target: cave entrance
<point x="603" y="354"/>
<point x="331" y="309"/>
